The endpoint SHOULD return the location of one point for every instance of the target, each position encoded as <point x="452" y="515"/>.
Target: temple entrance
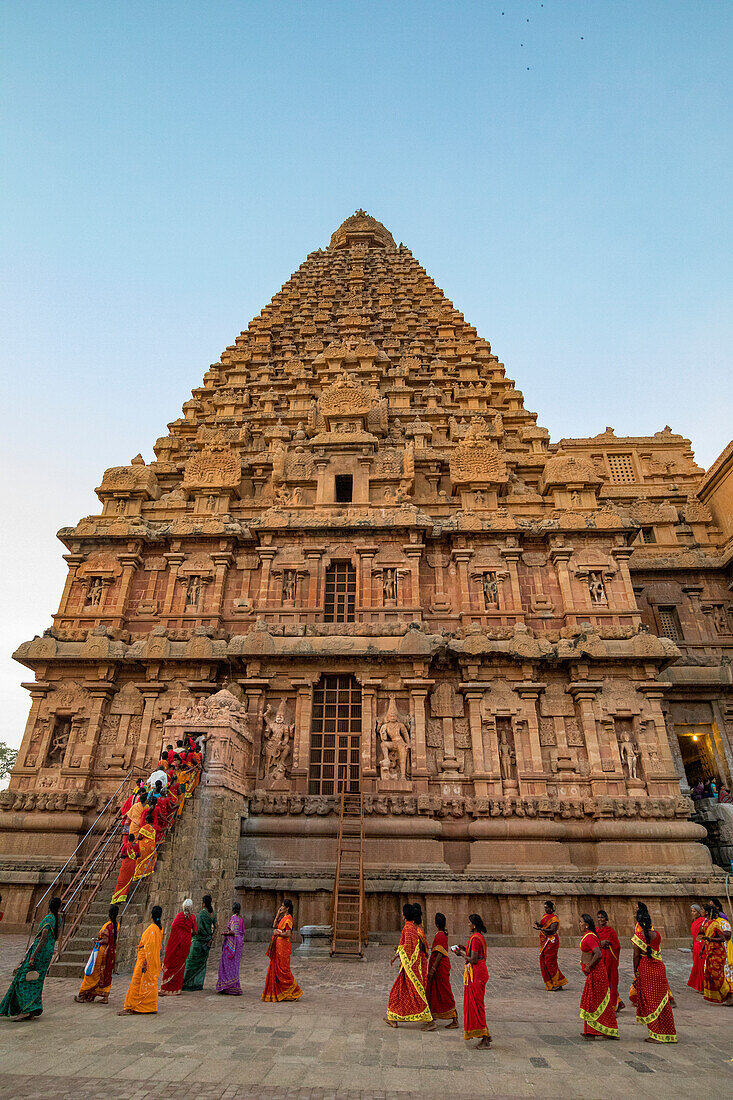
<point x="699" y="757"/>
<point x="335" y="736"/>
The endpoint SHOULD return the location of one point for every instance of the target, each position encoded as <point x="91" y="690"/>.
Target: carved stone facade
<point x="357" y="559"/>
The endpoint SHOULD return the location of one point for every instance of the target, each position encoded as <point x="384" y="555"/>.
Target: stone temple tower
<point x="357" y="559"/>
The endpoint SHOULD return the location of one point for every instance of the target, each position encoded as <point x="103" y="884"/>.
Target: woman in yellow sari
<point x="408" y="1000"/>
<point x="99" y="982"/>
<point x="145" y="864"/>
<point x="142" y="995"/>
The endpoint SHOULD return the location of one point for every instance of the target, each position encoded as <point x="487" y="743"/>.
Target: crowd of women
<point x="421" y="992"/>
<point x="151" y="809"/>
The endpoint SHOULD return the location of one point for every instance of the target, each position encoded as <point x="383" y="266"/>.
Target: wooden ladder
<point x="348" y="911"/>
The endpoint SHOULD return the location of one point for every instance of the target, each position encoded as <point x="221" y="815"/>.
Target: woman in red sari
<point x="475" y="977"/>
<point x="695" y="980"/>
<point x="441" y="1001"/>
<point x="280" y="985"/>
<point x="99" y="982"/>
<point x="717" y="971"/>
<point x="177" y="949"/>
<point x="596" y="1008"/>
<point x="611" y="948"/>
<point x="653" y="1005"/>
<point x="549" y="927"/>
<point x="130" y="853"/>
<point x="408" y="1001"/>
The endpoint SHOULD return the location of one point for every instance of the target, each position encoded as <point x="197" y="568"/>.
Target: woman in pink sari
<point x="695" y="980"/>
<point x="231" y="954"/>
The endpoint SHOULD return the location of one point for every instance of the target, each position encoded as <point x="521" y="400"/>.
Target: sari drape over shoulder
<point x="231" y="954"/>
<point x="280" y="985"/>
<point x="27" y="996"/>
<point x="99" y="982"/>
<point x="142" y="995"/>
<point x="198" y="956"/>
<point x="653" y="1006"/>
<point x="145" y="864"/>
<point x="176" y="952"/>
<point x="408" y="999"/>
<point x="475" y="977"/>
<point x="130" y="853"/>
<point x="695" y="980"/>
<point x="596" y="1009"/>
<point x="611" y="955"/>
<point x="549" y="945"/>
<point x="717" y="970"/>
<point x="440" y="995"/>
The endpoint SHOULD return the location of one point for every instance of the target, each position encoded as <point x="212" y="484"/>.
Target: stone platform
<point x="333" y="1044"/>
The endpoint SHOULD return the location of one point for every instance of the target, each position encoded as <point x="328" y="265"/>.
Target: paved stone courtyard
<point x="334" y="1044"/>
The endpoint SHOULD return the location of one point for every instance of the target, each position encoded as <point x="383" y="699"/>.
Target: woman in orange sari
<point x="99" y="982"/>
<point x="717" y="972"/>
<point x="280" y="985"/>
<point x="695" y="980"/>
<point x="130" y="852"/>
<point x="440" y="995"/>
<point x="611" y="948"/>
<point x="408" y="1001"/>
<point x="177" y="949"/>
<point x="145" y="863"/>
<point x="142" y="995"/>
<point x="596" y="1007"/>
<point x="475" y="977"/>
<point x="653" y="1002"/>
<point x="548" y="927"/>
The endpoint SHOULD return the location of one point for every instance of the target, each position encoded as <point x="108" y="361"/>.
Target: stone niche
<point x="230" y="738"/>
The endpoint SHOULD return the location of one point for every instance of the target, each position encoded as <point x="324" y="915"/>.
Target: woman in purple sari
<point x="231" y="954"/>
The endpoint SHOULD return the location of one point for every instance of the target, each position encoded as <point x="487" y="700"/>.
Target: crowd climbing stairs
<point x="348" y="918"/>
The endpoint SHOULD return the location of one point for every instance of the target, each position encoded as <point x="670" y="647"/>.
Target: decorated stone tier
<point x="356" y="557"/>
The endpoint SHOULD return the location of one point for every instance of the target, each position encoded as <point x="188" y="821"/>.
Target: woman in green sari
<point x="24" y="999"/>
<point x="198" y="956"/>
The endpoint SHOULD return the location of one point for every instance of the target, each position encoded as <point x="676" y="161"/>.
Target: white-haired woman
<point x="177" y="949"/>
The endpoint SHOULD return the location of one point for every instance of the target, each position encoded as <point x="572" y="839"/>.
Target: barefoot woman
<point x="408" y="1001"/>
<point x="596" y="1010"/>
<point x="475" y="977"/>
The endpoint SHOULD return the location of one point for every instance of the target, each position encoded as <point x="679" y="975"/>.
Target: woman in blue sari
<point x="24" y="999"/>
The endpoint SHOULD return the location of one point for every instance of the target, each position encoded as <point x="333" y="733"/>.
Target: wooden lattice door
<point x="335" y="736"/>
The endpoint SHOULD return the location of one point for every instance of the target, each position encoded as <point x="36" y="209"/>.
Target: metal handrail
<point x="81" y="842"/>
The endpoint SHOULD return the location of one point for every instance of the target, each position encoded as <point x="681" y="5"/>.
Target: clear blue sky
<point x="563" y="171"/>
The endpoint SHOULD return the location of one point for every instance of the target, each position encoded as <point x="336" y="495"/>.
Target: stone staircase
<point x="74" y="956"/>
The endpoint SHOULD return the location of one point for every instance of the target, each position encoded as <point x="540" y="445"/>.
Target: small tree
<point x="8" y="757"/>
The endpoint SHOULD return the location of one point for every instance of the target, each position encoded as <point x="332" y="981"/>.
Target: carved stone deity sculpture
<point x="629" y="756"/>
<point x="394" y="735"/>
<point x="507" y="758"/>
<point x="278" y="739"/>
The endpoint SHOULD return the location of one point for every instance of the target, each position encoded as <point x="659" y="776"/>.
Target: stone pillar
<point x="369" y="690"/>
<point x="130" y="564"/>
<point x="254" y="688"/>
<point x="560" y="556"/>
<point x="73" y="561"/>
<point x="222" y="560"/>
<point x="663" y="784"/>
<point x="474" y="694"/>
<point x="511" y="556"/>
<point x="313" y="563"/>
<point x="584" y="693"/>
<point x="175" y="561"/>
<point x="266" y="554"/>
<point x="418" y="694"/>
<point x="100" y="692"/>
<point x="621" y="555"/>
<point x="366" y="556"/>
<point x="301" y="742"/>
<point x="462" y="557"/>
<point x="529" y="692"/>
<point x="38" y="691"/>
<point x="413" y="553"/>
<point x="145" y="748"/>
